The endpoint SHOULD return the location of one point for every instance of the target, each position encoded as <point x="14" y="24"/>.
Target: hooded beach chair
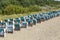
<point x="34" y="21"/>
<point x="10" y="22"/>
<point x="22" y="18"/>
<point x="30" y="22"/>
<point x="2" y="32"/>
<point x="10" y="28"/>
<point x="27" y="18"/>
<point x="17" y="26"/>
<point x="38" y="18"/>
<point x="11" y="19"/>
<point x="50" y="14"/>
<point x="3" y="24"/>
<point x="17" y="20"/>
<point x="43" y="18"/>
<point x="24" y="24"/>
<point x="46" y="16"/>
<point x="6" y="20"/>
<point x="58" y="13"/>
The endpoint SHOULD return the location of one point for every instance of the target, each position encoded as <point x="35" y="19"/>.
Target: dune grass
<point x="2" y="17"/>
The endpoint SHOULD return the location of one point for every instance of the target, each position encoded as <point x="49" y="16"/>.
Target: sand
<point x="48" y="30"/>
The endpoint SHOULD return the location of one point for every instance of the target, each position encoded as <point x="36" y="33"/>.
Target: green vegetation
<point x="19" y="7"/>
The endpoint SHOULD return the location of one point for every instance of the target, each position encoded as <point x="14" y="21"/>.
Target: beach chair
<point x="34" y="21"/>
<point x="58" y="13"/>
<point x="43" y="18"/>
<point x="17" y="26"/>
<point x="51" y="15"/>
<point x="30" y="23"/>
<point x="6" y="20"/>
<point x="2" y="32"/>
<point x="24" y="24"/>
<point x="27" y="18"/>
<point x="3" y="24"/>
<point x="17" y="20"/>
<point x="31" y="17"/>
<point x="9" y="28"/>
<point x="11" y="19"/>
<point x="10" y="22"/>
<point x="46" y="16"/>
<point x="22" y="18"/>
<point x="38" y="19"/>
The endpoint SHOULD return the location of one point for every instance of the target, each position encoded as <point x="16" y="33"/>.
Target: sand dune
<point x="48" y="30"/>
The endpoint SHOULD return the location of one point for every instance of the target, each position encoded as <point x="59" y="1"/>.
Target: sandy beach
<point x="48" y="30"/>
